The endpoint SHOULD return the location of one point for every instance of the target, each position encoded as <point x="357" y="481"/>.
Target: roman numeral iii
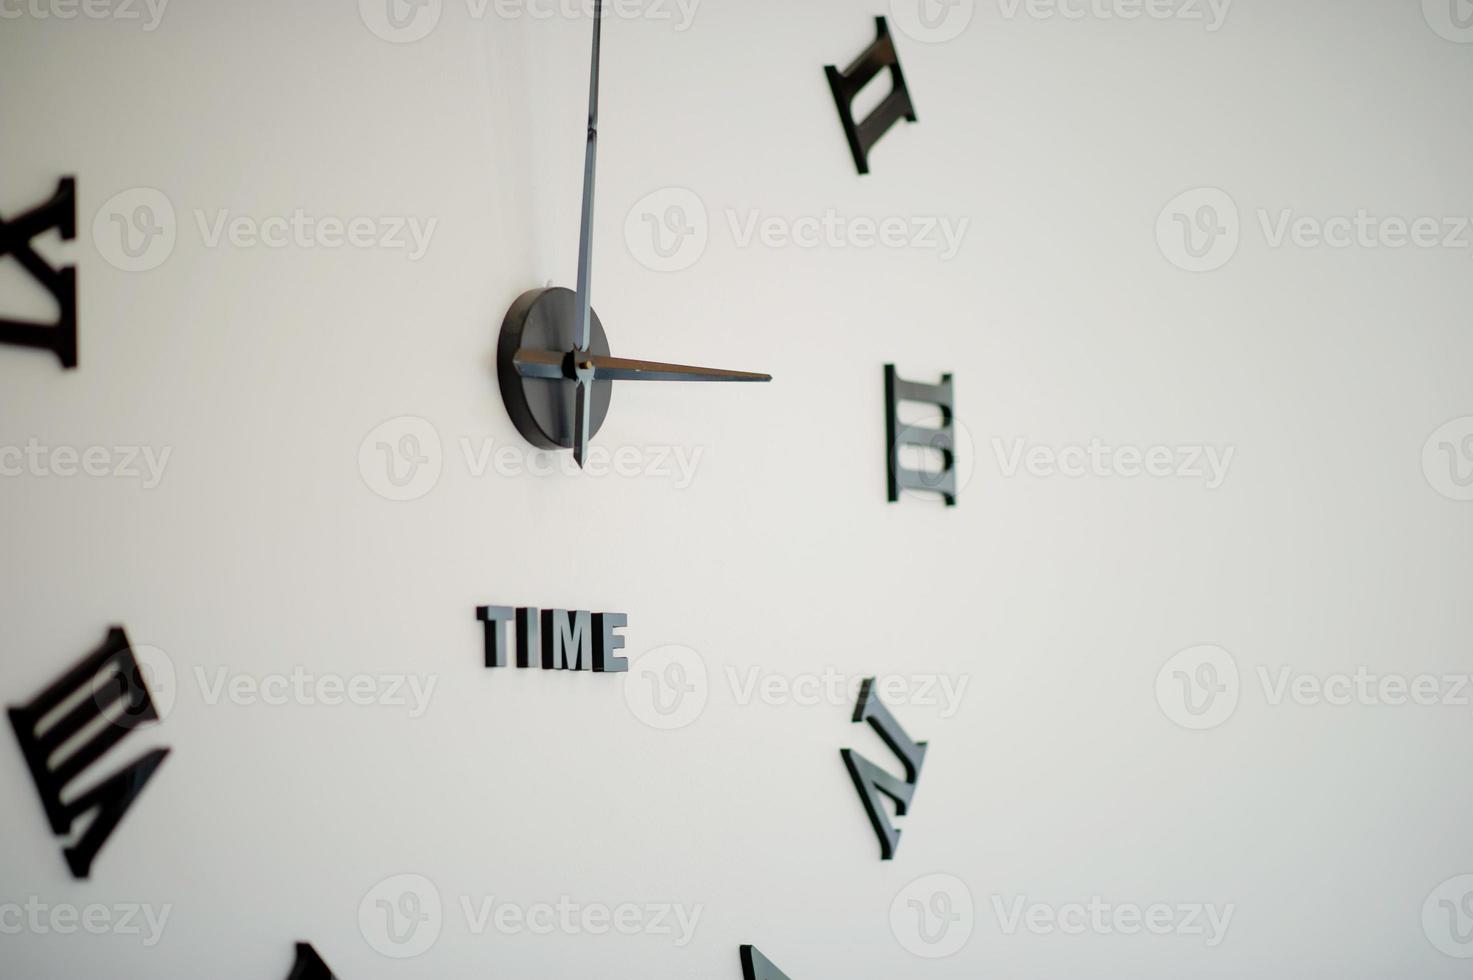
<point x="941" y="439"/>
<point x="71" y="725"/>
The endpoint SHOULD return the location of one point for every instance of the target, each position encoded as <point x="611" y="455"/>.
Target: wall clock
<point x="553" y="361"/>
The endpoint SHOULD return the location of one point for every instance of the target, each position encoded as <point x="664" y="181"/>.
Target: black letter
<point x="606" y="641"/>
<point x="528" y="636"/>
<point x="847" y="84"/>
<point x="567" y="640"/>
<point x="495" y="618"/>
<point x="870" y="780"/>
<point x="942" y="439"/>
<point x="112" y="675"/>
<point x="15" y="240"/>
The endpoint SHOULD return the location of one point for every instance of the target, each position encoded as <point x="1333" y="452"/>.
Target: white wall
<point x="264" y="549"/>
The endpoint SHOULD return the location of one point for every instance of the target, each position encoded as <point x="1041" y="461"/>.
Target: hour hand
<point x="553" y="364"/>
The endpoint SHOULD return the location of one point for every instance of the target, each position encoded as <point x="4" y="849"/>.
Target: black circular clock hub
<point x="543" y="408"/>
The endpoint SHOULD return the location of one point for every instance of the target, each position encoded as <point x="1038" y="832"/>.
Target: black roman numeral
<point x="74" y="722"/>
<point x="898" y="435"/>
<point x="847" y="84"/>
<point x="309" y="965"/>
<point x="15" y="240"/>
<point x="755" y="966"/>
<point x="870" y="780"/>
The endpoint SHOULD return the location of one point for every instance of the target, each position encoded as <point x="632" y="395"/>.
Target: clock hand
<point x="590" y="157"/>
<point x="581" y="409"/>
<point x="585" y="248"/>
<point x="568" y="366"/>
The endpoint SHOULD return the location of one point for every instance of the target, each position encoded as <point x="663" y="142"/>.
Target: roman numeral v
<point x="16" y="236"/>
<point x="871" y="781"/>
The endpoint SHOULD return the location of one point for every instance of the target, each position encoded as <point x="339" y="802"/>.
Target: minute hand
<point x="554" y="365"/>
<point x="625" y="369"/>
